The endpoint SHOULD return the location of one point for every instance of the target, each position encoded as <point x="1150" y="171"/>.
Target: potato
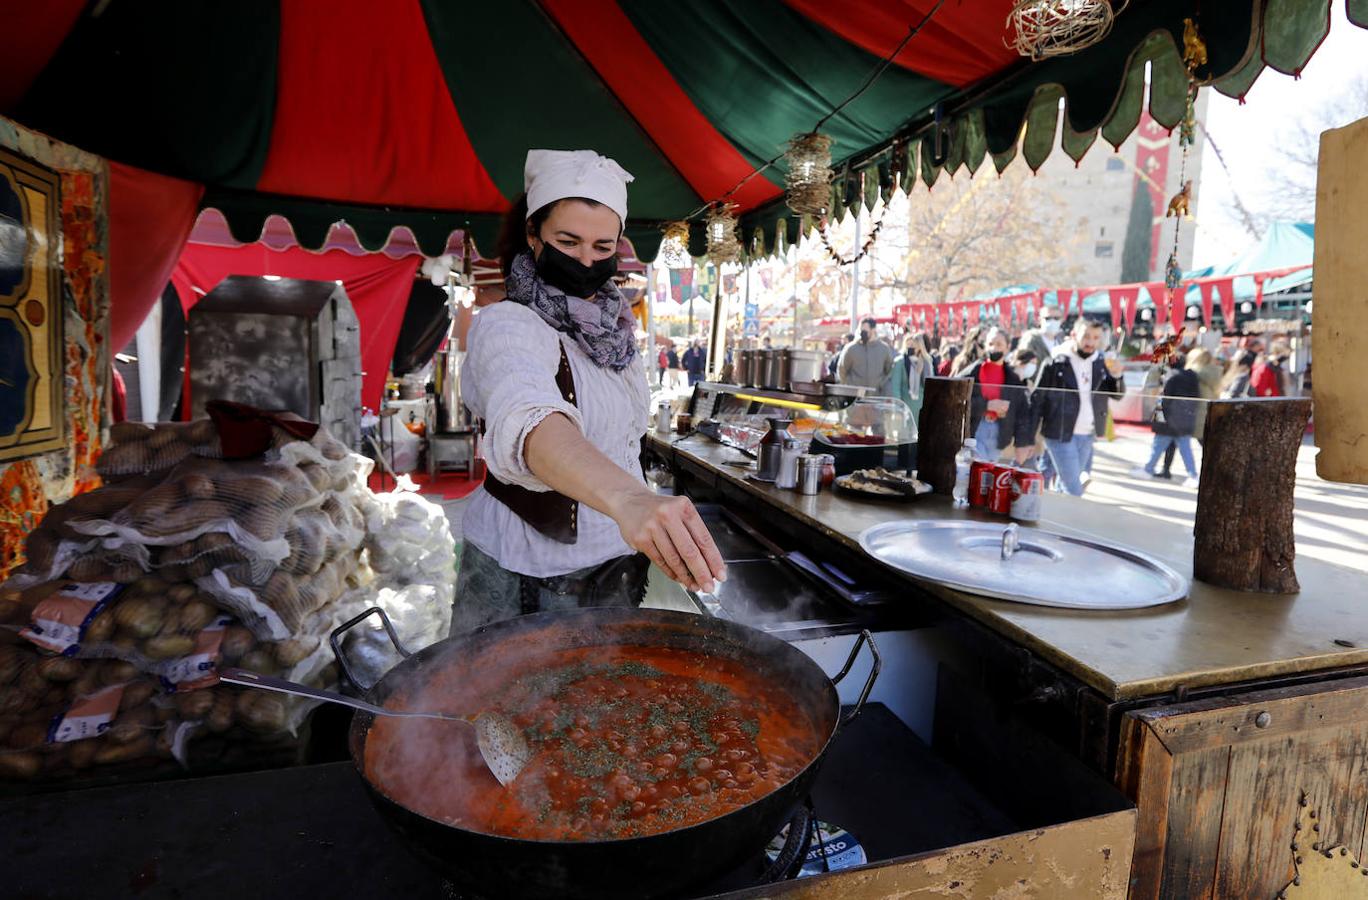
<point x="259" y="660"/>
<point x="128" y="433"/>
<point x="163" y="436"/>
<point x="317" y="476"/>
<point x="168" y="646"/>
<point x="259" y="490"/>
<point x="90" y="568"/>
<point x="179" y="593"/>
<point x="197" y="487"/>
<point x="280" y="591"/>
<point x="265" y="522"/>
<point x="164" y="714"/>
<point x="20" y="765"/>
<point x="265" y="714"/>
<point x="114" y="752"/>
<point x="101" y="628"/>
<point x="141" y="616"/>
<point x="81" y="754"/>
<point x="131" y="725"/>
<point x="14" y="702"/>
<point x="221" y="716"/>
<point x="194" y="616"/>
<point x="147" y="585"/>
<point x="27" y="736"/>
<point x="9" y="663"/>
<point x="126" y="573"/>
<point x="117" y="671"/>
<point x="137" y="693"/>
<point x="296" y="650"/>
<point x="202" y="431"/>
<point x="59" y="668"/>
<point x="32" y="682"/>
<point x="121" y="459"/>
<point x="237" y="642"/>
<point x="193" y="705"/>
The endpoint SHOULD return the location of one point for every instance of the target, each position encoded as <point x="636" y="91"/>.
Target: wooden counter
<point x="1214" y="637"/>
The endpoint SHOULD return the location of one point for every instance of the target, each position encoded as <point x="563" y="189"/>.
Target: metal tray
<point x="1027" y="565"/>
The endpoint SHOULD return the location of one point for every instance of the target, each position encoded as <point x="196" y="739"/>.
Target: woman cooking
<point x="564" y="518"/>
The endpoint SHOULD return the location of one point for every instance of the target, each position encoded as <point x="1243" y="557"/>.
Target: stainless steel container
<point x="755" y="371"/>
<point x="810" y="473"/>
<point x="744" y="370"/>
<point x="804" y="365"/>
<point x="787" y="477"/>
<point x="775" y="373"/>
<point x="452" y="414"/>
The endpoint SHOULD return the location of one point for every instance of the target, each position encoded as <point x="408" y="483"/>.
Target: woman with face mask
<point x="564" y="518"/>
<point x="999" y="411"/>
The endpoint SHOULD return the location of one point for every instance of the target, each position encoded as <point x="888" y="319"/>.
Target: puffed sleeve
<point x="509" y="380"/>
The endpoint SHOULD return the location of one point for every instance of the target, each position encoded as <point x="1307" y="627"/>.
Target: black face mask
<point x="864" y="337"/>
<point x="995" y="356"/>
<point x="1084" y="354"/>
<point x="569" y="275"/>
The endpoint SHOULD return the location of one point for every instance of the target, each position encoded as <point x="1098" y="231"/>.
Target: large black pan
<point x="658" y="865"/>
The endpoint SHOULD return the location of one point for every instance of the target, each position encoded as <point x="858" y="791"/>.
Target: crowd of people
<point x="1042" y="399"/>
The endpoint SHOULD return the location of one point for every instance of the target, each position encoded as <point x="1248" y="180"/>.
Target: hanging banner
<point x="1258" y="292"/>
<point x="681" y="284"/>
<point x="1114" y="295"/>
<point x="1005" y="312"/>
<point x="1227" y="288"/>
<point x="943" y="318"/>
<point x="972" y="313"/>
<point x="1178" y="307"/>
<point x="1123" y="300"/>
<point x="1065" y="298"/>
<point x="1020" y="305"/>
<point x="1205" y="288"/>
<point x="1158" y="295"/>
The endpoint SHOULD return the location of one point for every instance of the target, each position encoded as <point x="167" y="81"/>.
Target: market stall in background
<point x="230" y="351"/>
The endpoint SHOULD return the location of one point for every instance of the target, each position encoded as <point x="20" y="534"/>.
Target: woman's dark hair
<point x="517" y="225"/>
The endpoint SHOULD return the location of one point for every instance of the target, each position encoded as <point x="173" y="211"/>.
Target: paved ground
<point x="1331" y="519"/>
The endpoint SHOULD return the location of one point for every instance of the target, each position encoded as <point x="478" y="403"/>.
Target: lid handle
<point x="1011" y="541"/>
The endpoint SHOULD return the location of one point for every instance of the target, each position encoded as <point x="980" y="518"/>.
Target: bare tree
<point x="970" y="235"/>
<point x="1291" y="181"/>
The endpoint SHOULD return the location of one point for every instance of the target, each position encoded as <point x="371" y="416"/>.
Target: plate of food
<point x="881" y="484"/>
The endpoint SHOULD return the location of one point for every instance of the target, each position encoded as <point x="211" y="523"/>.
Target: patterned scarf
<point x="603" y="327"/>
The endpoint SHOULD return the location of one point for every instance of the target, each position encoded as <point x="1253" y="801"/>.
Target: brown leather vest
<point x="551" y="513"/>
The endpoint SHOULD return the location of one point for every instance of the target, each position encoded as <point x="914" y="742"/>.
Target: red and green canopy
<point x="419" y="112"/>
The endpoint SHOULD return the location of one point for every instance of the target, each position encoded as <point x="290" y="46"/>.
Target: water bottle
<point x="963" y="460"/>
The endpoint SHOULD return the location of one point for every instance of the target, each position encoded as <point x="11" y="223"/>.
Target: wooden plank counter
<point x="1214" y="637"/>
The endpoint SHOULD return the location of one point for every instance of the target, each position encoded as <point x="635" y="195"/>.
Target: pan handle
<point x="865" y="638"/>
<point x="335" y="639"/>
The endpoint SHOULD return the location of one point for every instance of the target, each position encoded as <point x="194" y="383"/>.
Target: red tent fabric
<point x="377" y="285"/>
<point x="150" y="217"/>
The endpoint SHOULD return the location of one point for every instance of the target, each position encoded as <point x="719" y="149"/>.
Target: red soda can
<point x="980" y="482"/>
<point x="1028" y="487"/>
<point x="1000" y="497"/>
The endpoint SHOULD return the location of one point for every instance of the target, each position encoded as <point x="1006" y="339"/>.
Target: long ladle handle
<point x="280" y="685"/>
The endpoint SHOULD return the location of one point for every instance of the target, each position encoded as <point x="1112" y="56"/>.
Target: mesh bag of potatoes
<point x="248" y="501"/>
<point x="137" y="449"/>
<point x="60" y="715"/>
<point x="408" y="541"/>
<point x="279" y="608"/>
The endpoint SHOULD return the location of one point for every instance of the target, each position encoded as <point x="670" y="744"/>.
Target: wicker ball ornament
<point x="674" y="245"/>
<point x="807" y="182"/>
<point x="1039" y="29"/>
<point x="723" y="244"/>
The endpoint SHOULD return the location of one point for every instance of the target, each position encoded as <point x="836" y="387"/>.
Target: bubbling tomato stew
<point x="627" y="741"/>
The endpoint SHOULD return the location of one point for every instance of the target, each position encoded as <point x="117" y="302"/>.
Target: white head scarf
<point x="551" y="175"/>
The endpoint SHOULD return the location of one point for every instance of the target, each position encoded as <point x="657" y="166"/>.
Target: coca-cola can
<point x="980" y="482"/>
<point x="1000" y="496"/>
<point x="1028" y="487"/>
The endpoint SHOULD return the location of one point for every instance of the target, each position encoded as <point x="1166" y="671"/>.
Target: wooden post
<point x="1243" y="529"/>
<point x="1340" y="317"/>
<point x="940" y="430"/>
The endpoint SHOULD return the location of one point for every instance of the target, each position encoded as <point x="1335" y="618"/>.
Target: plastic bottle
<point x="963" y="460"/>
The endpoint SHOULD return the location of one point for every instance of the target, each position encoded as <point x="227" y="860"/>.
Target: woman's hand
<point x="670" y="531"/>
<point x="999" y="408"/>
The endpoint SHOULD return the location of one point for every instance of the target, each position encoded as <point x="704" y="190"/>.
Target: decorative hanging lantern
<point x="808" y="181"/>
<point x="1039" y="29"/>
<point x="674" y="245"/>
<point x="723" y="244"/>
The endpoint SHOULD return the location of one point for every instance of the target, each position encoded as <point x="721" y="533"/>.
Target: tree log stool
<point x="1243" y="529"/>
<point x="940" y="430"/>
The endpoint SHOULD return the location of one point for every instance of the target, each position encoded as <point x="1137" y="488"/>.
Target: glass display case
<point x="858" y="431"/>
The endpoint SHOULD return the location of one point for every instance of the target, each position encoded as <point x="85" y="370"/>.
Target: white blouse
<point x="509" y="379"/>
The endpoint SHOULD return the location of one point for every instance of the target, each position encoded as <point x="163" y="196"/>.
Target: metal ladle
<point x="501" y="743"/>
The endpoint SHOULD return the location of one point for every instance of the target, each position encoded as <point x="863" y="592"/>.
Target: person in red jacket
<point x="1267" y="378"/>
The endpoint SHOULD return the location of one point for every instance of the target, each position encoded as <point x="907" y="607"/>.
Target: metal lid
<point x="1025" y="565"/>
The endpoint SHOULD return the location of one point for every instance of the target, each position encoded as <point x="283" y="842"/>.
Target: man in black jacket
<point x="1175" y="422"/>
<point x="1069" y="405"/>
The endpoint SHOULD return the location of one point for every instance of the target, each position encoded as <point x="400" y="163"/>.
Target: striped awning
<point x="418" y="113"/>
